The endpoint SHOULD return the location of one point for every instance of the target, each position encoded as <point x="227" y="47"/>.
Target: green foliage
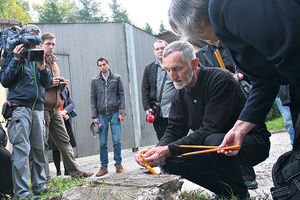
<point x="276" y="124"/>
<point x="118" y="13"/>
<point x="148" y="28"/>
<point x="162" y="28"/>
<point x="274" y="113"/>
<point x="90" y="12"/>
<point x="56" y="11"/>
<point x="15" y="9"/>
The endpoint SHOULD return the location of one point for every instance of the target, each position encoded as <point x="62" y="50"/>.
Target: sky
<point x="139" y="11"/>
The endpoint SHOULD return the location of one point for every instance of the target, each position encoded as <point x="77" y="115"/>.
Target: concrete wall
<point x="129" y="50"/>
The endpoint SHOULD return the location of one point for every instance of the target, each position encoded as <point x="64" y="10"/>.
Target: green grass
<point x="276" y="124"/>
<point x="64" y="183"/>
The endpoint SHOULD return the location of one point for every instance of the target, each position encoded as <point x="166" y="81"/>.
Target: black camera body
<point x="36" y="55"/>
<point x="61" y="84"/>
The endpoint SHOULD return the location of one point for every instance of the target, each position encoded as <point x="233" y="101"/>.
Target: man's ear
<point x="195" y="63"/>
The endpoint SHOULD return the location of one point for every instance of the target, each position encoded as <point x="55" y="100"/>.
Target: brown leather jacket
<point x="53" y="99"/>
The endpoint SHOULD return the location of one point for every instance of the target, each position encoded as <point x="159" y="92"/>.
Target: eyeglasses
<point x="161" y="48"/>
<point x="50" y="44"/>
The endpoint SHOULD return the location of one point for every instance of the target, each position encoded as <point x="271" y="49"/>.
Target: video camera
<point x="21" y="37"/>
<point x="155" y="114"/>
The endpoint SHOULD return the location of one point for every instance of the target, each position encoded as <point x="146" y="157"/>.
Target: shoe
<point x="47" y="190"/>
<point x="87" y="174"/>
<point x="120" y="169"/>
<point x="251" y="184"/>
<point x="102" y="171"/>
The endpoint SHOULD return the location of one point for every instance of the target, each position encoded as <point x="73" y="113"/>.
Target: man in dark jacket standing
<point x="108" y="108"/>
<point x="157" y="90"/>
<point x="26" y="81"/>
<point x="207" y="101"/>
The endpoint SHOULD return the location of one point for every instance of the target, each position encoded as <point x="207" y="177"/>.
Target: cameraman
<point x="26" y="81"/>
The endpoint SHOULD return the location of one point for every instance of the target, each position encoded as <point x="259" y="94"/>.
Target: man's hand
<point x="96" y="120"/>
<point x="238" y="76"/>
<point x="64" y="114"/>
<point x="153" y="157"/>
<point x="235" y="137"/>
<point x="17" y="51"/>
<point x="121" y="117"/>
<point x="149" y="110"/>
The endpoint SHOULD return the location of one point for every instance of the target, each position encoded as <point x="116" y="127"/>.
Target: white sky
<point x="140" y="11"/>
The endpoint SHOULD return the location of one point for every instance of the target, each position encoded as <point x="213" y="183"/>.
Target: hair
<point x="31" y="28"/>
<point x="47" y="36"/>
<point x="186" y="16"/>
<point x="102" y="59"/>
<point x="160" y="41"/>
<point x="187" y="50"/>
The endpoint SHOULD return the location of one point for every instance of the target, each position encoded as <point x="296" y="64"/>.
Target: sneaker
<point x="47" y="190"/>
<point x="87" y="174"/>
<point x="102" y="171"/>
<point x="120" y="169"/>
<point x="251" y="185"/>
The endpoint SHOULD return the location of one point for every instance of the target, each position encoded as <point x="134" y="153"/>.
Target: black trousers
<point x="219" y="173"/>
<point x="295" y="113"/>
<point x="160" y="127"/>
<point x="6" y="186"/>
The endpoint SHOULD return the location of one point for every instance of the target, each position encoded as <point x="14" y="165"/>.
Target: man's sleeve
<point x="8" y="72"/>
<point x="146" y="88"/>
<point x="94" y="97"/>
<point x="46" y="77"/>
<point x="121" y="96"/>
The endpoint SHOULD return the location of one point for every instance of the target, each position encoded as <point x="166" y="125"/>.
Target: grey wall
<point x="129" y="50"/>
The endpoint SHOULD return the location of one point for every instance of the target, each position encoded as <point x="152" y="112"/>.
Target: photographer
<point x="26" y="81"/>
<point x="157" y="90"/>
<point x="55" y="126"/>
<point x="6" y="187"/>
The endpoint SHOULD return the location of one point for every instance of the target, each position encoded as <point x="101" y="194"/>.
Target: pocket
<point x="15" y="129"/>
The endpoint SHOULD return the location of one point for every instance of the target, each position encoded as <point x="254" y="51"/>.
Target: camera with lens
<point x="21" y="37"/>
<point x="61" y="84"/>
<point x="246" y="87"/>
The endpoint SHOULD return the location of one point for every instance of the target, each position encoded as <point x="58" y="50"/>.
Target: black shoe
<point x="251" y="184"/>
<point x="47" y="190"/>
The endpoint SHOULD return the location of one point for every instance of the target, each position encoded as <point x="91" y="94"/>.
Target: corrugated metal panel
<point x="78" y="48"/>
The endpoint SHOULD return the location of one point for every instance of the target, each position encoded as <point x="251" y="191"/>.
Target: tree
<point x="90" y="12"/>
<point x="162" y="28"/>
<point x="118" y="13"/>
<point x="15" y="9"/>
<point x="148" y="28"/>
<point x="56" y="11"/>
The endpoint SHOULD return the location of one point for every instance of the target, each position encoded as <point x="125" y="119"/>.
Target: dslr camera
<point x="61" y="84"/>
<point x="155" y="114"/>
<point x="17" y="37"/>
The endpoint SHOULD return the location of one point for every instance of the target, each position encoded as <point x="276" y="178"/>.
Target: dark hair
<point x="47" y="36"/>
<point x="102" y="59"/>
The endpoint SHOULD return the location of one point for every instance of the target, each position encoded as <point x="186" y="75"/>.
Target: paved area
<point x="280" y="143"/>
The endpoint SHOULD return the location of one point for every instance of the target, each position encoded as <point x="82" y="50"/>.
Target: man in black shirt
<point x="207" y="101"/>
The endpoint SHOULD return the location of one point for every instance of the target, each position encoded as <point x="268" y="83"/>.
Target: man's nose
<point x="172" y="75"/>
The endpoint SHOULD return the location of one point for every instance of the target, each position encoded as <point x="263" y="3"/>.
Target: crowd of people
<point x="218" y="96"/>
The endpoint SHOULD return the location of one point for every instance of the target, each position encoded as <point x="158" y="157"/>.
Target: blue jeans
<point x="115" y="126"/>
<point x="287" y="118"/>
